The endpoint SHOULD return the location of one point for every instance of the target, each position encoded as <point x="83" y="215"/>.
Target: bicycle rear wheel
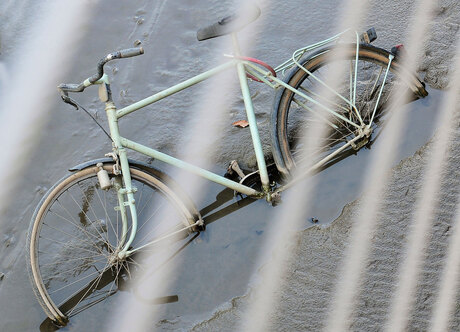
<point x="76" y="231"/>
<point x="293" y="116"/>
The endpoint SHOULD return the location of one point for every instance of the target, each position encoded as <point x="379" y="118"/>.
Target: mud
<point x="440" y="47"/>
<point x="318" y="251"/>
<point x="225" y="253"/>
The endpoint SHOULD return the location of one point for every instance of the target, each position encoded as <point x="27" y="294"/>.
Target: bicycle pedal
<point x="234" y="167"/>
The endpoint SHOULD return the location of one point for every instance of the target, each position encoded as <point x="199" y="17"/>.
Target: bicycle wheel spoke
<point x="333" y="121"/>
<point x="333" y="137"/>
<point x="72" y="260"/>
<point x="116" y="277"/>
<point x="75" y="222"/>
<point x="74" y="282"/>
<point x="68" y="273"/>
<point x="152" y="229"/>
<point x="86" y="216"/>
<point x="354" y="104"/>
<point x="93" y="285"/>
<point x="102" y="204"/>
<point x="107" y="216"/>
<point x="316" y="95"/>
<point x="85" y="197"/>
<point x="148" y="239"/>
<point x="89" y="305"/>
<point x="76" y="242"/>
<point x="141" y="209"/>
<point x="92" y="244"/>
<point x="67" y="245"/>
<point x="134" y="262"/>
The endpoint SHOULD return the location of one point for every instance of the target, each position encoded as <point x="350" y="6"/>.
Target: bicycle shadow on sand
<point x="226" y="202"/>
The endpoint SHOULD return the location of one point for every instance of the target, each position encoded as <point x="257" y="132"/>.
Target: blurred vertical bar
<point x="297" y="203"/>
<point x="418" y="238"/>
<point x="410" y="268"/>
<point x="36" y="67"/>
<point x="348" y="287"/>
<point x="448" y="290"/>
<point x="198" y="150"/>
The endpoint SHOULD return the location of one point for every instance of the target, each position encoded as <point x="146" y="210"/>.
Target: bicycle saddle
<point x="229" y="24"/>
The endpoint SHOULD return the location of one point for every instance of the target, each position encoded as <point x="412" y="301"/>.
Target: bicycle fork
<point x="125" y="193"/>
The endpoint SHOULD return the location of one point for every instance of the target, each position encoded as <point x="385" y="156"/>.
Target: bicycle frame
<point x="243" y="67"/>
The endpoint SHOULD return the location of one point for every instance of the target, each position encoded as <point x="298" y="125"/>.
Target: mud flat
<point x="440" y="46"/>
<point x="167" y="31"/>
<point x="305" y="299"/>
<point x="310" y="282"/>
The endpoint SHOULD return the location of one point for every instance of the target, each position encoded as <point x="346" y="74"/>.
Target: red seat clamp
<point x="259" y="62"/>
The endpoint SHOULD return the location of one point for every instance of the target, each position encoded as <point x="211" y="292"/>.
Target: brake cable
<point x="64" y="89"/>
<point x="78" y="106"/>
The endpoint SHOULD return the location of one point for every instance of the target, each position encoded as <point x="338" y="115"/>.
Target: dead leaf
<point x="240" y="123"/>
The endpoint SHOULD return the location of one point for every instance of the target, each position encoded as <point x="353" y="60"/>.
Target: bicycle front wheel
<point x="354" y="102"/>
<point x="76" y="231"/>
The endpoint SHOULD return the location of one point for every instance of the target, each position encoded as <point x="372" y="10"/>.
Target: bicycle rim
<point x="295" y="116"/>
<point x="76" y="230"/>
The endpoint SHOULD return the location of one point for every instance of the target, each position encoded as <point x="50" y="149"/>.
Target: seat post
<point x="236" y="44"/>
<point x="251" y="119"/>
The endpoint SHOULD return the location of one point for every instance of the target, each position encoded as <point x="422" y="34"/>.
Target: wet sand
<point x="312" y="274"/>
<point x="227" y="250"/>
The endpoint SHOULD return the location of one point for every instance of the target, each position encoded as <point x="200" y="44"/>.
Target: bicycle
<point x="89" y="226"/>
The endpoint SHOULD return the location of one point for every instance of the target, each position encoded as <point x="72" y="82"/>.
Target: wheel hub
<point x="364" y="133"/>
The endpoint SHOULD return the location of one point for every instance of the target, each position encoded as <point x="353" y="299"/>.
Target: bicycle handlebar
<point x="130" y="52"/>
<point x="126" y="53"/>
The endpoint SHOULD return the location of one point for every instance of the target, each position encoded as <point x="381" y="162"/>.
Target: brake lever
<point x="65" y="97"/>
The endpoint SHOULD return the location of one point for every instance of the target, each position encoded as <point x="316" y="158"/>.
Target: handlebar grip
<point x="71" y="87"/>
<point x="129" y="52"/>
<point x="126" y="53"/>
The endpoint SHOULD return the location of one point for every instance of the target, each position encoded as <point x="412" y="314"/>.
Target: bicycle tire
<point x="74" y="229"/>
<point x="285" y="117"/>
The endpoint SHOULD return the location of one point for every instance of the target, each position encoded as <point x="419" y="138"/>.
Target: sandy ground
<point x="312" y="275"/>
<point x="156" y="24"/>
<point x="310" y="282"/>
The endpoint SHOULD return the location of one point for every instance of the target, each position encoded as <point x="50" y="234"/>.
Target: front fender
<point x="94" y="162"/>
<point x="153" y="172"/>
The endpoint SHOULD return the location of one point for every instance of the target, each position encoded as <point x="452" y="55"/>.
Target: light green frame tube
<point x="189" y="167"/>
<point x="174" y="89"/>
<point x="251" y="119"/>
<point x="128" y="190"/>
<point x="264" y="75"/>
<point x="120" y="143"/>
